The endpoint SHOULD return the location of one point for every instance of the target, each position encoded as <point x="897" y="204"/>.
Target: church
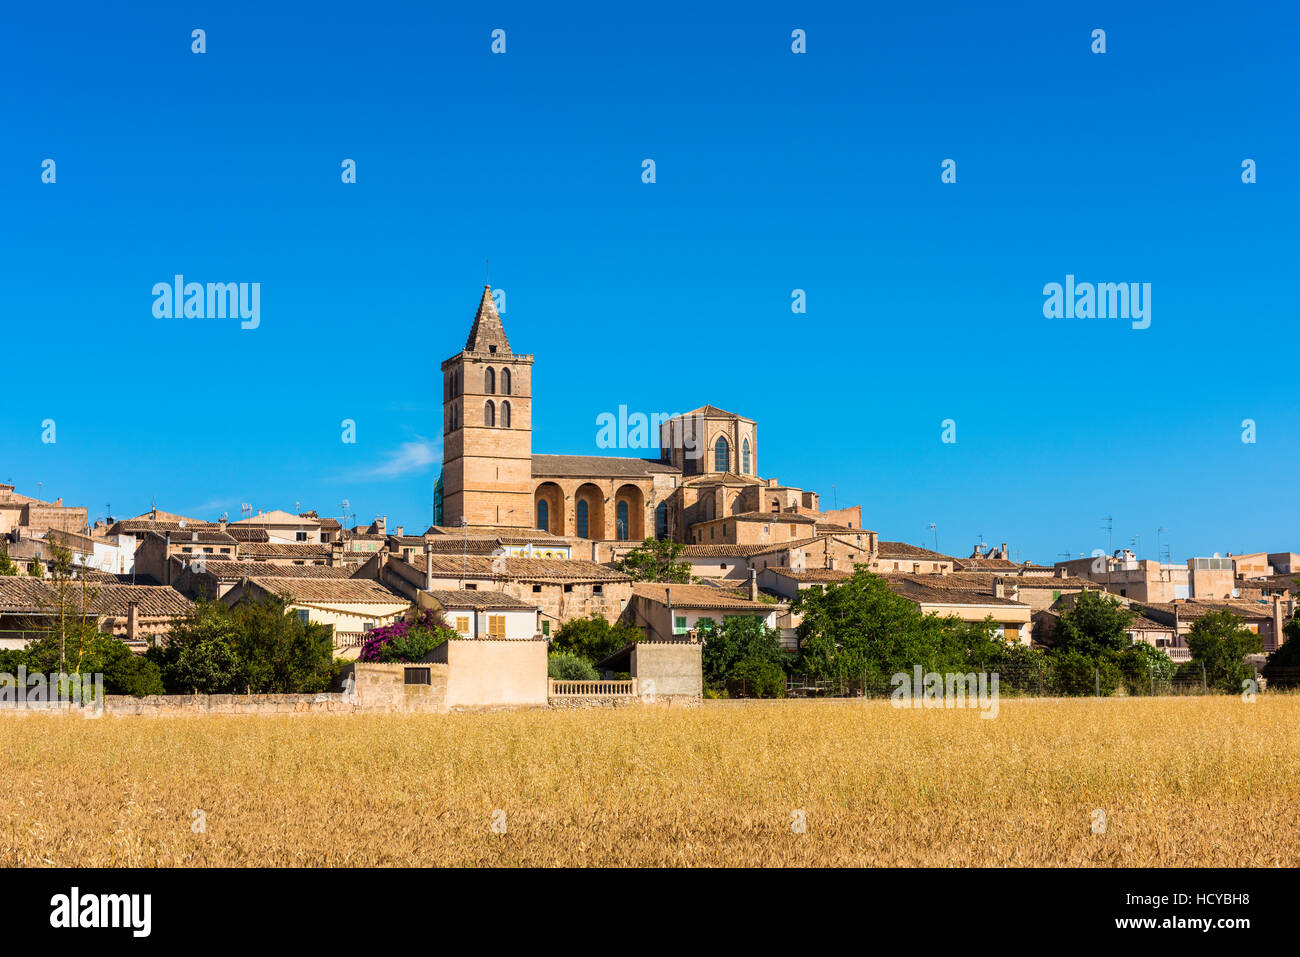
<point x="704" y="488"/>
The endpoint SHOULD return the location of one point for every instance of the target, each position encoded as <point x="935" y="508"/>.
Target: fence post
<point x="1204" y="686"/>
<point x="1153" y="682"/>
<point x="1096" y="677"/>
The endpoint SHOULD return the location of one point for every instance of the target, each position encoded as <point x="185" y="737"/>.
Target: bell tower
<point x="487" y="423"/>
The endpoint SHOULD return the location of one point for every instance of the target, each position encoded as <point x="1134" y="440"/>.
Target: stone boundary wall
<point x="162" y="705"/>
<point x="575" y="702"/>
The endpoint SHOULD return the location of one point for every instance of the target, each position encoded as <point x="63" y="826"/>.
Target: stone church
<point x="704" y="488"/>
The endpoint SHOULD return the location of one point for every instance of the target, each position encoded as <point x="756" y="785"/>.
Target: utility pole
<point x="1110" y="545"/>
<point x="935" y="528"/>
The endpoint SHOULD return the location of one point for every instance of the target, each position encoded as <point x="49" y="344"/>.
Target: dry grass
<point x="1207" y="781"/>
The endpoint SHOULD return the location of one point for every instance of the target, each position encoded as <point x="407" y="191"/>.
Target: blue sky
<point x="775" y="171"/>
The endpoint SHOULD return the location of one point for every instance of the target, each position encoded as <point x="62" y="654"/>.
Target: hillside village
<point x="523" y="544"/>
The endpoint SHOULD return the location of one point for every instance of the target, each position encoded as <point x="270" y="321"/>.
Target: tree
<point x="1096" y="625"/>
<point x="1283" y="668"/>
<point x="7" y="567"/>
<point x="861" y="629"/>
<point x="1145" y="667"/>
<point x="1220" y="643"/>
<point x="35" y="568"/>
<point x="594" y="638"/>
<point x="655" y="560"/>
<point x="566" y="666"/>
<point x="257" y="647"/>
<point x="740" y="638"/>
<point x="758" y="678"/>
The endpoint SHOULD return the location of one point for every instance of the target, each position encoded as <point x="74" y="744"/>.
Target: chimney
<point x="753" y="585"/>
<point x="132" y="620"/>
<point x="400" y="531"/>
<point x="668" y="596"/>
<point x="1003" y="552"/>
<point x="221" y="524"/>
<point x="1062" y="572"/>
<point x="381" y="525"/>
<point x="428" y="566"/>
<point x="999" y="588"/>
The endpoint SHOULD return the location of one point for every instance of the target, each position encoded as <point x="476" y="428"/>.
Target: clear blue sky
<point x="775" y="171"/>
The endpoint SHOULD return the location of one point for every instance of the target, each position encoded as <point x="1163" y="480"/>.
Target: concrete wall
<point x="489" y="673"/>
<point x="675" y="668"/>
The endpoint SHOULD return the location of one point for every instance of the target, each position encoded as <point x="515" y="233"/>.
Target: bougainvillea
<point x="406" y="641"/>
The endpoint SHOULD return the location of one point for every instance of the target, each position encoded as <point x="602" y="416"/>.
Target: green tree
<point x="7" y="566"/>
<point x="1095" y="626"/>
<point x="1283" y="667"/>
<point x="739" y="638"/>
<point x="1076" y="673"/>
<point x="594" y="638"/>
<point x="1146" y="669"/>
<point x="566" y="666"/>
<point x="35" y="568"/>
<point x="758" y="678"/>
<point x="258" y="647"/>
<point x="862" y="629"/>
<point x="656" y="560"/>
<point x="1220" y="643"/>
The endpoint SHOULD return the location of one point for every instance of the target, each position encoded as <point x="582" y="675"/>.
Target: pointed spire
<point x="487" y="330"/>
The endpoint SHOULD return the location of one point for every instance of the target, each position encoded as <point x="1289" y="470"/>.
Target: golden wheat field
<point x="1181" y="781"/>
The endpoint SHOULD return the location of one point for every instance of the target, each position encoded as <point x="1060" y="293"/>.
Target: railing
<point x="1178" y="655"/>
<point x="349" y="639"/>
<point x="587" y="689"/>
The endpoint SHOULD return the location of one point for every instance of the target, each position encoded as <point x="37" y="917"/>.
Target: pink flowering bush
<point x="406" y="641"/>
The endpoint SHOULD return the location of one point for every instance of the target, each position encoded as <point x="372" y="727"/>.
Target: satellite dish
<point x="181" y="523"/>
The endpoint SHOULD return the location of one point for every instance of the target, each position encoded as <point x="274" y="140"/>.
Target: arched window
<point x="455" y="418"/>
<point x="622" y="521"/>
<point x="721" y="455"/>
<point x="744" y="468"/>
<point x="505" y="382"/>
<point x="543" y="515"/>
<point x="582" y="518"/>
<point x="661" y="520"/>
<point x="505" y="415"/>
<point x="489" y="414"/>
<point x="489" y="380"/>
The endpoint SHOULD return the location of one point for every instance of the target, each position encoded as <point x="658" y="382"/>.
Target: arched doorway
<point x="589" y="511"/>
<point x="548" y="507"/>
<point x="629" y="514"/>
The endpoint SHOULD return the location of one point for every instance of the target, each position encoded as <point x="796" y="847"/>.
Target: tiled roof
<point x="893" y="550"/>
<point x="1190" y="610"/>
<point x="815" y="575"/>
<point x="346" y="591"/>
<point x="984" y="563"/>
<point x="478" y="600"/>
<point x="520" y="569"/>
<point x="596" y="466"/>
<point x="702" y="596"/>
<point x="919" y="590"/>
<point x="789" y="517"/>
<point x="37" y="596"/>
<point x="191" y="536"/>
<point x="247" y="534"/>
<point x="743" y="551"/>
<point x="711" y="410"/>
<point x="284" y="550"/>
<point x="227" y="571"/>
<point x="278" y="516"/>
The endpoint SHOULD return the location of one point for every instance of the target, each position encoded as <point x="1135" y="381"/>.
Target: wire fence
<point x="1047" y="681"/>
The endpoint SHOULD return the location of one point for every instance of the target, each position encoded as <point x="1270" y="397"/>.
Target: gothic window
<point x="622" y="521"/>
<point x="744" y="468"/>
<point x="489" y="380"/>
<point x="505" y="415"/>
<point x="661" y="520"/>
<point x="721" y="455"/>
<point x="543" y="515"/>
<point x="582" y="518"/>
<point x="505" y="382"/>
<point x="489" y="414"/>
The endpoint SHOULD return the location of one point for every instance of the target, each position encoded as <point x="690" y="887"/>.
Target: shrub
<point x="407" y="641"/>
<point x="1074" y="673"/>
<point x="1142" y="664"/>
<point x="758" y="678"/>
<point x="566" y="666"/>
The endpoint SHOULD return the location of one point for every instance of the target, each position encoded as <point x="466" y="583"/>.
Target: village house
<point x="351" y="606"/>
<point x="665" y="612"/>
<point x="134" y="613"/>
<point x="484" y="614"/>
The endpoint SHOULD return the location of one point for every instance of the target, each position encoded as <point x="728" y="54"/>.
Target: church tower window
<point x="744" y="469"/>
<point x="505" y="415"/>
<point x="505" y="382"/>
<point x="721" y="455"/>
<point x="489" y="414"/>
<point x="582" y="518"/>
<point x="622" y="521"/>
<point x="661" y="520"/>
<point x="489" y="380"/>
<point x="543" y="515"/>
